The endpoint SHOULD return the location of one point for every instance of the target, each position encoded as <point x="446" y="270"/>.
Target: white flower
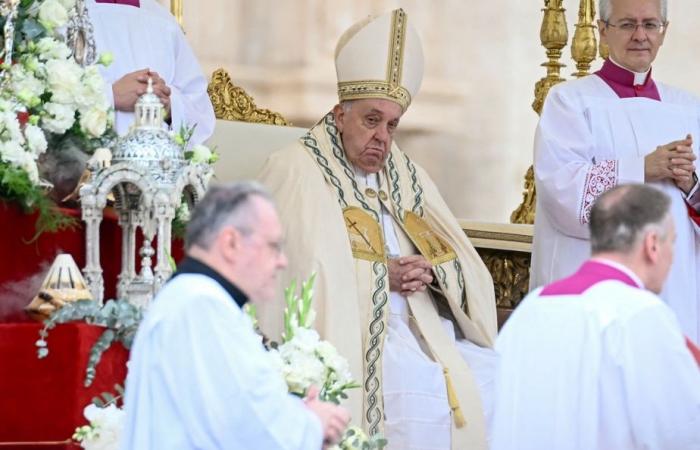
<point x="13" y="153"/>
<point x="10" y="128"/>
<point x="68" y="4"/>
<point x="26" y="86"/>
<point x="183" y="212"/>
<point x="90" y="93"/>
<point x="36" y="141"/>
<point x="50" y="48"/>
<point x="200" y="154"/>
<point x="65" y="79"/>
<point x="107" y="426"/>
<point x="94" y="121"/>
<point x="60" y="118"/>
<point x="52" y="14"/>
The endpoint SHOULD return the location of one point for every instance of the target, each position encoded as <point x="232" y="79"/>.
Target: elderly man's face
<point x="260" y="254"/>
<point x="367" y="130"/>
<point x="634" y="50"/>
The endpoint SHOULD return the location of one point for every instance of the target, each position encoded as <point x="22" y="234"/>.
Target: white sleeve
<point x="189" y="100"/>
<point x="230" y="395"/>
<point x="660" y="379"/>
<point x="568" y="176"/>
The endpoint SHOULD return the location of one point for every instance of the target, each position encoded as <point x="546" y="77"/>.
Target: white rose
<point x="200" y="153"/>
<point x="90" y="93"/>
<point x="52" y="14"/>
<point x="65" y="80"/>
<point x="36" y="141"/>
<point x="50" y="48"/>
<point x="13" y="153"/>
<point x="10" y="128"/>
<point x="108" y="423"/>
<point x="94" y="121"/>
<point x="60" y="118"/>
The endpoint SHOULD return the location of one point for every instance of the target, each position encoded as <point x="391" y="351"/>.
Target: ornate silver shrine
<point x="149" y="178"/>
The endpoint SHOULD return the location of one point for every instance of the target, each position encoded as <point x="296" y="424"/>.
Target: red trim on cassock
<point x="694" y="215"/>
<point x="694" y="350"/>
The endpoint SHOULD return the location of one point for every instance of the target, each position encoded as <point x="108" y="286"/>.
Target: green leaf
<point x="43" y="352"/>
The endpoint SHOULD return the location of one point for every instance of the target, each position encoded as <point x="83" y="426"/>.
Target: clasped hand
<point x="131" y="86"/>
<point x="408" y="274"/>
<point x="673" y="161"/>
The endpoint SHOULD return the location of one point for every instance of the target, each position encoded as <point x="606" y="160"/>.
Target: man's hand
<point x="131" y="86"/>
<point x="673" y="161"/>
<point x="408" y="274"/>
<point x="334" y="419"/>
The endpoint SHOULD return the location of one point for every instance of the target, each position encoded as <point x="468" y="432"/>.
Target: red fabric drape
<point x="43" y="399"/>
<point x="23" y="265"/>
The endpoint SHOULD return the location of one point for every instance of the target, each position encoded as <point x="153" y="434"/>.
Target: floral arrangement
<point x="48" y="104"/>
<point x="305" y="360"/>
<point x="302" y="357"/>
<point x="105" y="422"/>
<point x="198" y="154"/>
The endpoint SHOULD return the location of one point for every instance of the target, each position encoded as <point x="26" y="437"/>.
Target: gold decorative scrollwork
<point x="233" y="103"/>
<point x="525" y="213"/>
<point x="510" y="271"/>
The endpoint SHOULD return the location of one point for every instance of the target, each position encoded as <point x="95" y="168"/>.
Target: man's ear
<point x="339" y="115"/>
<point x="228" y="242"/>
<point x="603" y="31"/>
<point x="651" y="246"/>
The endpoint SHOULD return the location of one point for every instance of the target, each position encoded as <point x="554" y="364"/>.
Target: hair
<point x="223" y="205"/>
<point x="605" y="10"/>
<point x="621" y="216"/>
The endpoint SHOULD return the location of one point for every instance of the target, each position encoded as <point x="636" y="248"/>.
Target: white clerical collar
<point x="622" y="268"/>
<point x="639" y="77"/>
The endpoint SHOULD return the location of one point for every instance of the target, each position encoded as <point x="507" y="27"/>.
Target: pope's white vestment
<point x="604" y="369"/>
<point x="148" y="37"/>
<point x="588" y="140"/>
<point x="420" y="373"/>
<point x="199" y="378"/>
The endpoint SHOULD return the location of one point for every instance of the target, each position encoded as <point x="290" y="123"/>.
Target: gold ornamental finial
<point x="176" y="10"/>
<point x="554" y="36"/>
<point x="584" y="45"/>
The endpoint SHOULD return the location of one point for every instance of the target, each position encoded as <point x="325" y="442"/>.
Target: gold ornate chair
<point x="244" y="135"/>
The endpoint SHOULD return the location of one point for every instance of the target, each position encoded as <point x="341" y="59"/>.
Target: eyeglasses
<point x="650" y="27"/>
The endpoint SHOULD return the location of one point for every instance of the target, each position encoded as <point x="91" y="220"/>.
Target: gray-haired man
<point x="198" y="375"/>
<point x="597" y="360"/>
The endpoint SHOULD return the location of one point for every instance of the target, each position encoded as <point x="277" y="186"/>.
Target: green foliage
<point x="107" y="398"/>
<point x="15" y="186"/>
<point x="298" y="312"/>
<point x="120" y="318"/>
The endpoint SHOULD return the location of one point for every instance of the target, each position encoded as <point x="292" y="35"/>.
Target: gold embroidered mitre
<point x="380" y="57"/>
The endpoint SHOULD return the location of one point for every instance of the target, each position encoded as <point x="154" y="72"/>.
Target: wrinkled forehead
<point x="386" y="108"/>
<point x="635" y="10"/>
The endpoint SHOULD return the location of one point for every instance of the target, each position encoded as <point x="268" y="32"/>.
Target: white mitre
<point x="380" y="57"/>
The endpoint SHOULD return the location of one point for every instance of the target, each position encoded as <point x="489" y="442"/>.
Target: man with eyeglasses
<point x="619" y="126"/>
<point x="199" y="376"/>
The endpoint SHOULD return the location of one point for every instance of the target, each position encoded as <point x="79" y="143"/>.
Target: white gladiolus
<point x="94" y="121"/>
<point x="60" y="119"/>
<point x="52" y="14"/>
<point x="50" y="48"/>
<point x="36" y="141"/>
<point x="65" y="80"/>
